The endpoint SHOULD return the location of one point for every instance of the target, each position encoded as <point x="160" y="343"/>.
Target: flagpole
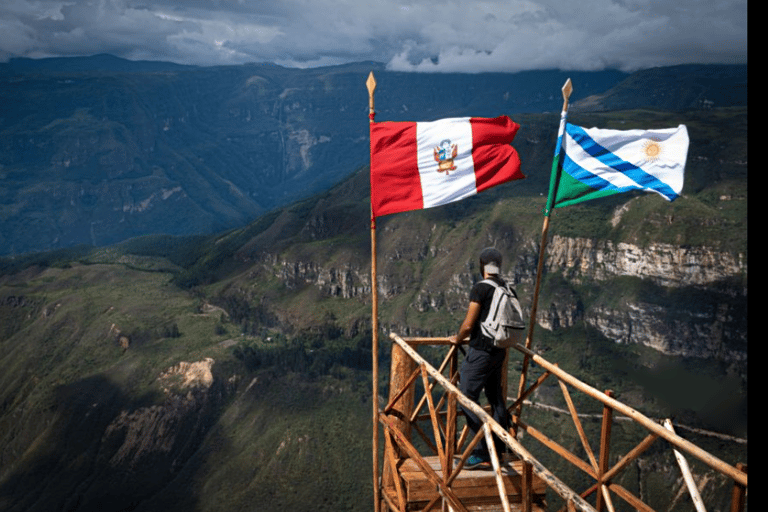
<point x="371" y="85"/>
<point x="567" y="89"/>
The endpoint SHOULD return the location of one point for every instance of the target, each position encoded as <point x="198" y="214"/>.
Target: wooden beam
<point x="579" y="428"/>
<point x="526" y="479"/>
<point x="528" y="391"/>
<point x="559" y="449"/>
<point x="393" y="400"/>
<point x="551" y="480"/>
<point x="393" y="468"/>
<point x="605" y="443"/>
<point x="435" y="427"/>
<point x="630" y="498"/>
<point x="687" y="476"/>
<point x="641" y="419"/>
<point x="629" y="457"/>
<point x="413" y="453"/>
<point x="496" y="467"/>
<point x="739" y="491"/>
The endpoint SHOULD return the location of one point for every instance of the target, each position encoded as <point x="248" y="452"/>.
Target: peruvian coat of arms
<point x="444" y="155"/>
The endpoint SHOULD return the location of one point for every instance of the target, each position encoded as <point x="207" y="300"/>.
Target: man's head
<point x="490" y="261"/>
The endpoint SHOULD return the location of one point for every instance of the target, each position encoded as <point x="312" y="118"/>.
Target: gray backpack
<point x="504" y="324"/>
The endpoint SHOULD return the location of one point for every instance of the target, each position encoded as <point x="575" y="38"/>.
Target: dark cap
<point x="490" y="260"/>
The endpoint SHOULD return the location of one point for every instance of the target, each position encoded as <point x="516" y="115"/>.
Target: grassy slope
<point x="282" y="438"/>
<point x="60" y="337"/>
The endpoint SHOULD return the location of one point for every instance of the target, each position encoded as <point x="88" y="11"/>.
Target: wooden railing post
<point x="450" y="418"/>
<point x="402" y="367"/>
<point x="605" y="442"/>
<point x="527" y="485"/>
<point x="739" y="492"/>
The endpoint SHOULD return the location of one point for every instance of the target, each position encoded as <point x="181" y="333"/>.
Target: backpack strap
<point x="497" y="285"/>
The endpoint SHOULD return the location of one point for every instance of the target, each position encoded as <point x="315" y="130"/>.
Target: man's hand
<point x="455" y="340"/>
<point x="473" y="313"/>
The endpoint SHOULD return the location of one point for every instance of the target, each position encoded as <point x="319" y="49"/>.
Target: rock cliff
<point x="168" y="432"/>
<point x="666" y="265"/>
<point x="700" y="295"/>
<point x="688" y="301"/>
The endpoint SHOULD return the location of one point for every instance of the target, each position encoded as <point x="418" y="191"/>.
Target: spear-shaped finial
<point x="371" y="84"/>
<point x="567" y="90"/>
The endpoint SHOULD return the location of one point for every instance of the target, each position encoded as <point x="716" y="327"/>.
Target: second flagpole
<point x="567" y="89"/>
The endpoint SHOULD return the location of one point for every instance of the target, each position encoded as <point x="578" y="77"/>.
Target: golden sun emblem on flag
<point x="652" y="150"/>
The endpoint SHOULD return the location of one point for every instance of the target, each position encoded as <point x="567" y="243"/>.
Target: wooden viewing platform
<point x="477" y="489"/>
<point x="432" y="477"/>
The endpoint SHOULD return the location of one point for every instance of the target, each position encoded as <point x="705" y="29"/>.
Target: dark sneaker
<point x="476" y="462"/>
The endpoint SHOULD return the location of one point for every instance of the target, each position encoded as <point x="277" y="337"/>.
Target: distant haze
<point x="408" y="35"/>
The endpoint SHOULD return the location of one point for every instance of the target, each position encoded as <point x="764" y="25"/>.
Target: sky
<point x="407" y="35"/>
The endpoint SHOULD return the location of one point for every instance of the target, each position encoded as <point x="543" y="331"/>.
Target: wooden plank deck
<point x="477" y="489"/>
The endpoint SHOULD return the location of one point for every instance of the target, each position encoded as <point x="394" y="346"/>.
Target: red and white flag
<point x="417" y="165"/>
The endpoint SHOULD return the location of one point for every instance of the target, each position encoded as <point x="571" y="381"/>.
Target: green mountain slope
<point x="98" y="150"/>
<point x="231" y="371"/>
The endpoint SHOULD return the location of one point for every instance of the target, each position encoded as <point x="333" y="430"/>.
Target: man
<point x="483" y="365"/>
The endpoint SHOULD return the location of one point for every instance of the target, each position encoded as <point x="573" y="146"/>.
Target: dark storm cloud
<point x="418" y="35"/>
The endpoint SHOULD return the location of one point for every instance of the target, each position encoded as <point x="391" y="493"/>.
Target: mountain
<point x="97" y="150"/>
<point x="102" y="63"/>
<point x="232" y="371"/>
<point x="685" y="87"/>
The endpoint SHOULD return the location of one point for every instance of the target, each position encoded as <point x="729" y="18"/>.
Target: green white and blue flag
<point x="593" y="162"/>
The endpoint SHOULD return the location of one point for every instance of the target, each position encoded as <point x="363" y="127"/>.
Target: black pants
<point x="480" y="371"/>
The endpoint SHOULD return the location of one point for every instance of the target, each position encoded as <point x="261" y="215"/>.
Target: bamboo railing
<point x="398" y="419"/>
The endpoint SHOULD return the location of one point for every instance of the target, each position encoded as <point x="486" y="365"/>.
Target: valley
<point x="227" y="367"/>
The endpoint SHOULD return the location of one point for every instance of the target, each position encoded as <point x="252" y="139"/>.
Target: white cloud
<point x="415" y="35"/>
<point x="582" y="35"/>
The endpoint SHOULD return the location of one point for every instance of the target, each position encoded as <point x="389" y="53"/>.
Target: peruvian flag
<point x="417" y="165"/>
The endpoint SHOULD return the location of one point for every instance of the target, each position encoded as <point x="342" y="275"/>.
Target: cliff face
<point x="165" y="432"/>
<point x="710" y="322"/>
<point x="663" y="264"/>
<point x="688" y="301"/>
